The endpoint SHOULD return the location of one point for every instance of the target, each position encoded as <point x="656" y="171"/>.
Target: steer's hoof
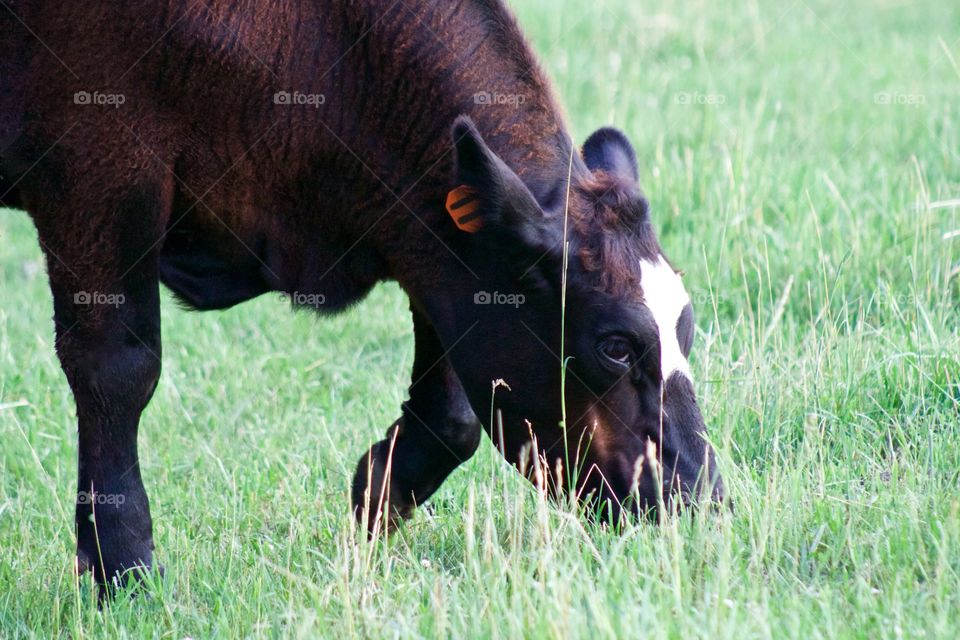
<point x="132" y="582"/>
<point x="81" y="564"/>
<point x="384" y="518"/>
<point x="378" y="505"/>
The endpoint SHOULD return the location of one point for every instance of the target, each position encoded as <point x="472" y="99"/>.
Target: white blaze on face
<point x="665" y="297"/>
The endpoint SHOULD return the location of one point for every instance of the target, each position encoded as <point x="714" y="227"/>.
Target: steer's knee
<point x="463" y="436"/>
<point x="112" y="376"/>
<point x="451" y="434"/>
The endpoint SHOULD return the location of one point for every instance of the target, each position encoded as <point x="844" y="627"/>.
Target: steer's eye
<point x="618" y="350"/>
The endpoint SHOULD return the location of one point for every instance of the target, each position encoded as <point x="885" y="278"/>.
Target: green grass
<point x="803" y="210"/>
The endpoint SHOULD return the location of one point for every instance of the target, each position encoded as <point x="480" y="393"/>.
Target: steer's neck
<point x="425" y="62"/>
<point x="497" y="80"/>
<point x="458" y="58"/>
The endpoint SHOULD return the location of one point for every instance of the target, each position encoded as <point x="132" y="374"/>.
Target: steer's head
<point x="633" y="431"/>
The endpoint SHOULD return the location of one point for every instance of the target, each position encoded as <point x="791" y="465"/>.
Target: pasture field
<point x="802" y="160"/>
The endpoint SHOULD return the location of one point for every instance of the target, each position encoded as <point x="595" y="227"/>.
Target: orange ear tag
<point x="463" y="205"/>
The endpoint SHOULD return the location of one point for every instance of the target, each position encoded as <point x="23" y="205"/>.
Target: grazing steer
<point x="306" y="148"/>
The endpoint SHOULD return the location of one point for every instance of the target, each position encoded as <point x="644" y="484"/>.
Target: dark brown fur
<point x="201" y="180"/>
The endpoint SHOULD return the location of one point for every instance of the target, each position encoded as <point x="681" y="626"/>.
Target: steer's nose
<point x="688" y="459"/>
<point x="693" y="480"/>
<point x="708" y="492"/>
<point x="714" y="493"/>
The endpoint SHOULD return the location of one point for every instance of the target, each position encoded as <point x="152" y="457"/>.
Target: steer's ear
<point x="490" y="194"/>
<point x="609" y="150"/>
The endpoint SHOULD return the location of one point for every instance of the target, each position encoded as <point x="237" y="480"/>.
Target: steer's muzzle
<point x="668" y="464"/>
<point x="688" y="472"/>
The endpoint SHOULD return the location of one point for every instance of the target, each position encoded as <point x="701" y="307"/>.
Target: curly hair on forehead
<point x="610" y="220"/>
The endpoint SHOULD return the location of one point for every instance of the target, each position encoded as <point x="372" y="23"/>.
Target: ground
<point x="802" y="160"/>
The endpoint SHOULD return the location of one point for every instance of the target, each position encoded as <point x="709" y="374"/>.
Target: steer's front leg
<point x="101" y="258"/>
<point x="437" y="431"/>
